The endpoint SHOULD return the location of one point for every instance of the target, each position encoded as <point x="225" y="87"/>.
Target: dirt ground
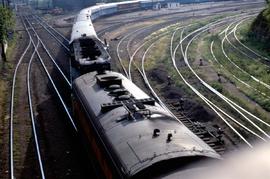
<point x="60" y="148"/>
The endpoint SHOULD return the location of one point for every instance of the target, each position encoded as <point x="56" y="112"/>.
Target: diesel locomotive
<point x="131" y="135"/>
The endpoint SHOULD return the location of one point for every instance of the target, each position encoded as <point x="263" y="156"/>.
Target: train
<point x="129" y="133"/>
<point x="88" y="52"/>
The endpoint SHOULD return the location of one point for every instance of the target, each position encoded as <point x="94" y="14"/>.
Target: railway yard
<point x="192" y="60"/>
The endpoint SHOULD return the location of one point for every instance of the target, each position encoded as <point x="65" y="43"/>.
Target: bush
<point x="6" y="25"/>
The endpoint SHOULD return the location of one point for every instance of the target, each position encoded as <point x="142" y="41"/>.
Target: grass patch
<point x="228" y="73"/>
<point x="246" y="37"/>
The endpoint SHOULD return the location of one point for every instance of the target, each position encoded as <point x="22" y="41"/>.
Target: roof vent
<point x="123" y="97"/>
<point x="108" y="80"/>
<point x="119" y="92"/>
<point x="113" y="87"/>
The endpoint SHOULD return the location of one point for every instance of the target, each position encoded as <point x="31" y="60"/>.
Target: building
<point x="173" y="5"/>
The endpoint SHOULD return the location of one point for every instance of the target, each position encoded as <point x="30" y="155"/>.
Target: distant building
<point x="173" y="5"/>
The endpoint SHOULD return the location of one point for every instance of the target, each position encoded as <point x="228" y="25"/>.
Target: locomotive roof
<point x="132" y="139"/>
<point x="83" y="28"/>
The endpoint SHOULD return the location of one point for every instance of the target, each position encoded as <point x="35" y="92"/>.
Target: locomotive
<point x="129" y="133"/>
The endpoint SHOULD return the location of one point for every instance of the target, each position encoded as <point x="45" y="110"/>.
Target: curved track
<point x="29" y="94"/>
<point x="228" y="101"/>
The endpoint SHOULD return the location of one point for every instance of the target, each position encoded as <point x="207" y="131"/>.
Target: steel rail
<point x="208" y="102"/>
<point x="146" y="81"/>
<point x="131" y="61"/>
<point x="51" y="58"/>
<point x="258" y="119"/>
<point x="103" y="31"/>
<point x="227" y="100"/>
<point x="31" y="109"/>
<point x="230" y="100"/>
<point x="56" y="31"/>
<point x="118" y="49"/>
<point x="237" y="66"/>
<point x="164" y="106"/>
<point x="12" y="176"/>
<point x="58" y="40"/>
<point x="54" y="86"/>
<point x="259" y="55"/>
<point x="12" y="107"/>
<point x="143" y="74"/>
<point x="201" y="96"/>
<point x="241" y="81"/>
<point x="234" y="46"/>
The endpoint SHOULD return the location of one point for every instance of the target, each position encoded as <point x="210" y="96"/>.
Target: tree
<point x="6" y="24"/>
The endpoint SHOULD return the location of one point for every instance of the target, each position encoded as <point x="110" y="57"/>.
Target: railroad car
<point x="87" y="51"/>
<point x="128" y="6"/>
<point x="192" y="1"/>
<point x="130" y="135"/>
<point x="149" y="4"/>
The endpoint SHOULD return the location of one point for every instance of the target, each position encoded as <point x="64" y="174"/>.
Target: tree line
<point x="6" y="25"/>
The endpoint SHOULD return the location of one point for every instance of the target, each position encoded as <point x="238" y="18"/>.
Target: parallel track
<point x="37" y="45"/>
<point x="12" y="106"/>
<point x="236" y="107"/>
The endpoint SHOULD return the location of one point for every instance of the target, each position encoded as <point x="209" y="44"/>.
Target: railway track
<point x="211" y="137"/>
<point x="255" y="79"/>
<point x="29" y="96"/>
<point x="223" y="67"/>
<point x="63" y="42"/>
<point x="228" y="101"/>
<point x="43" y="55"/>
<point x="212" y="105"/>
<point x="40" y="49"/>
<point x="246" y="54"/>
<point x="189" y="124"/>
<point x="245" y="46"/>
<point x="50" y="78"/>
